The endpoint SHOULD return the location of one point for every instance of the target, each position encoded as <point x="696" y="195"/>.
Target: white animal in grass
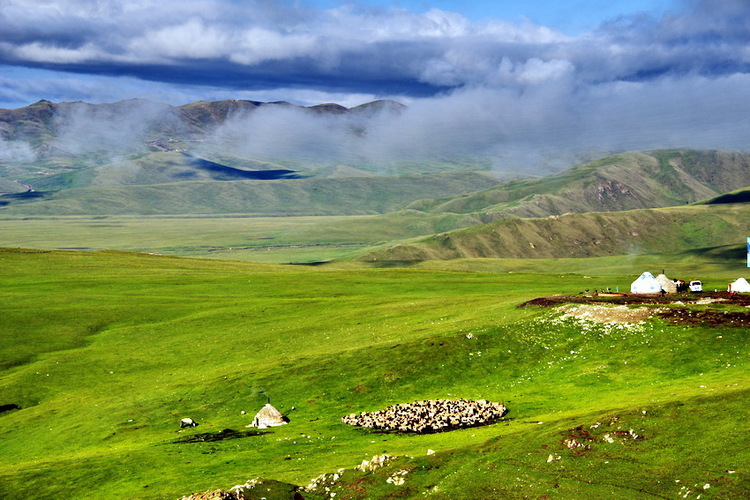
<point x="187" y="422"/>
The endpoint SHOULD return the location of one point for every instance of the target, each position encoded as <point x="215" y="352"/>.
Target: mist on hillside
<point x="542" y="129"/>
<point x="112" y="129"/>
<point x="16" y="152"/>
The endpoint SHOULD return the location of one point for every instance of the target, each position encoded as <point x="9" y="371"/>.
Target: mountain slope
<point x="585" y="235"/>
<point x="327" y="196"/>
<point x="621" y="182"/>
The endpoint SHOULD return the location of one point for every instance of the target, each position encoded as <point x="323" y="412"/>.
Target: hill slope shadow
<point x="224" y="172"/>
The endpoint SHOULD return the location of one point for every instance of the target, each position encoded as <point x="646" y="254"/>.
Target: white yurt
<point x="268" y="416"/>
<point x="645" y="283"/>
<point x="667" y="284"/>
<point x="739" y="286"/>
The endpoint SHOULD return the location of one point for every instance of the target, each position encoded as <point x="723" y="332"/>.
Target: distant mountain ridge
<point x="37" y="122"/>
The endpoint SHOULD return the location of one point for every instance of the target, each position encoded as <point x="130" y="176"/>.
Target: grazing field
<point x="256" y="239"/>
<point x="103" y="353"/>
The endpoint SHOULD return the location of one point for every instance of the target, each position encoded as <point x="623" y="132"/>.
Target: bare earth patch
<point x="622" y="308"/>
<point x="607" y="314"/>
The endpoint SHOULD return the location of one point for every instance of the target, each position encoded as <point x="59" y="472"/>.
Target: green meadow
<point x="105" y="351"/>
<point x="255" y="239"/>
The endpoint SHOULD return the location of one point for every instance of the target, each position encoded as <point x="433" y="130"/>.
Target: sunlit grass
<point x="105" y="352"/>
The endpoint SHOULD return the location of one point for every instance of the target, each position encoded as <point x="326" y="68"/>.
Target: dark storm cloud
<point x="518" y="94"/>
<point x="260" y="44"/>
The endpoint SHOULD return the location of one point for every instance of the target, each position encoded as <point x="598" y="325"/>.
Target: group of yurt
<point x="646" y="283"/>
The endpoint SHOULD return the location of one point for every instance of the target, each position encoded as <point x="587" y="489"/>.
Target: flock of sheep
<point x="432" y="415"/>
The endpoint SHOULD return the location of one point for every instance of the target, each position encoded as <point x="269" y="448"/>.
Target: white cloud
<point x="492" y="88"/>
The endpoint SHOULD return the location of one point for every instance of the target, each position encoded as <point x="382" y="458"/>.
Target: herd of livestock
<point x="432" y="415"/>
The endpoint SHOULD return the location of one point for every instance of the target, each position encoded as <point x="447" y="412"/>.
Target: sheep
<point x="429" y="415"/>
<point x="188" y="422"/>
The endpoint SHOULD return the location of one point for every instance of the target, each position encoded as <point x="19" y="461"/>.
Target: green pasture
<point x="104" y="352"/>
<point x="256" y="239"/>
<point x="336" y="240"/>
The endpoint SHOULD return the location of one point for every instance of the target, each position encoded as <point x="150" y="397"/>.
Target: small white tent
<point x="645" y="283"/>
<point x="667" y="284"/>
<point x="268" y="416"/>
<point x="739" y="286"/>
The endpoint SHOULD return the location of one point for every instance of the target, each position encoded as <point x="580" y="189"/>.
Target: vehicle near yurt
<point x="740" y="285"/>
<point x="696" y="286"/>
<point x="645" y="283"/>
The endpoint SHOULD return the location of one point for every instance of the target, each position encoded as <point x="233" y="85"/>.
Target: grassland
<point x="257" y="239"/>
<point x="105" y="351"/>
<point x="102" y="351"/>
<point x="401" y="238"/>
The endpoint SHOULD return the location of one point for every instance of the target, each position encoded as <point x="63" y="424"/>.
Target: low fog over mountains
<point x="539" y="131"/>
<point x="280" y="131"/>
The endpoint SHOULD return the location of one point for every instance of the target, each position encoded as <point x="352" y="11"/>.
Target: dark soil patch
<point x="578" y="439"/>
<point x="629" y="298"/>
<point x="698" y="312"/>
<point x="207" y="437"/>
<point x="707" y="317"/>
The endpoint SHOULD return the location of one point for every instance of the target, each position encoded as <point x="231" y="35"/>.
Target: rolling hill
<point x="620" y="182"/>
<point x="317" y="196"/>
<point x="629" y="232"/>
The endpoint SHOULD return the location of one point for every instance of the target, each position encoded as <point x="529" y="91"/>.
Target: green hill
<point x="584" y="235"/>
<point x="317" y="196"/>
<point x="621" y="182"/>
<point x="103" y="353"/>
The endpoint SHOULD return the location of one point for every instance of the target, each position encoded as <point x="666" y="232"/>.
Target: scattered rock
<point x="215" y="495"/>
<point x="375" y="463"/>
<point x="607" y="314"/>
<point x="254" y="489"/>
<point x="397" y="478"/>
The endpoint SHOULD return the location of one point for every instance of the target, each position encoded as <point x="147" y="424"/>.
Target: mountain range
<point x="143" y="158"/>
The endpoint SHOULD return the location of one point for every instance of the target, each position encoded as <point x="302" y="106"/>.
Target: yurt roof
<point x="270" y="416"/>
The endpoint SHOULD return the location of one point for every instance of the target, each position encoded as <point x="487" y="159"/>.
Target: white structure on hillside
<point x="645" y="283"/>
<point x="268" y="416"/>
<point x="739" y="286"/>
<point x="667" y="284"/>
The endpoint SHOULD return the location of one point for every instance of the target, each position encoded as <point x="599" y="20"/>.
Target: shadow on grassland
<point x="209" y="437"/>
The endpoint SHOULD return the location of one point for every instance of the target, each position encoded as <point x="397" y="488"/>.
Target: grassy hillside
<point x="105" y="352"/>
<point x="621" y="182"/>
<point x="332" y="196"/>
<point x="655" y="231"/>
<point x="169" y="179"/>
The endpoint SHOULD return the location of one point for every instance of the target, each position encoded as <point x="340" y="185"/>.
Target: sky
<point x="515" y="80"/>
